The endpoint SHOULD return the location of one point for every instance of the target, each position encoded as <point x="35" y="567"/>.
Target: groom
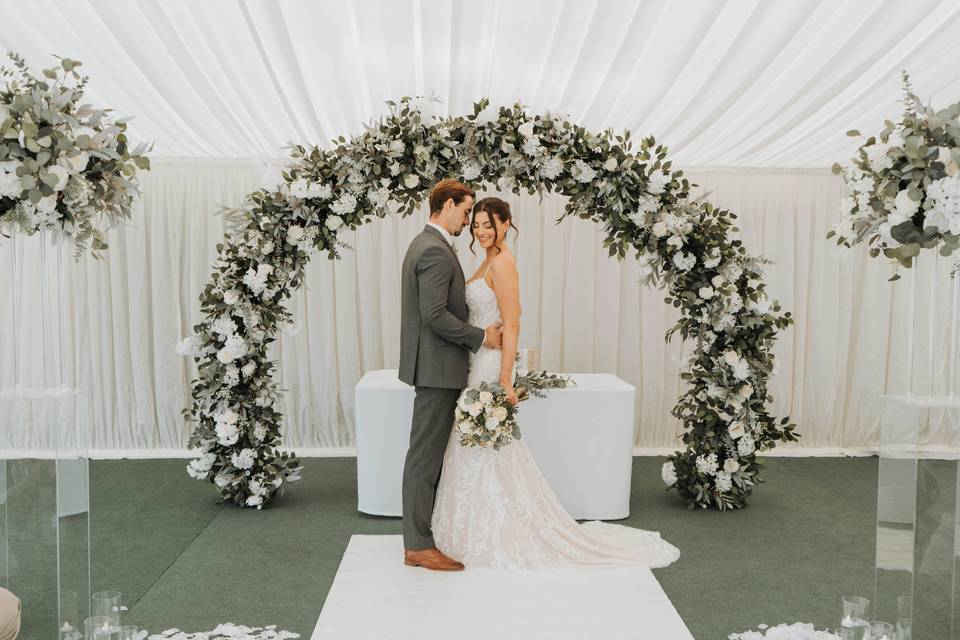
<point x="434" y="343"/>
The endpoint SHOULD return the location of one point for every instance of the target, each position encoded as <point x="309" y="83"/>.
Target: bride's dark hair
<point x="495" y="208"/>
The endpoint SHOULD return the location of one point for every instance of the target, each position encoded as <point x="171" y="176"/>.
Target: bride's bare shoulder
<point x="503" y="271"/>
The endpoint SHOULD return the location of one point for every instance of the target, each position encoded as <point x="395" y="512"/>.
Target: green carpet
<point x="183" y="560"/>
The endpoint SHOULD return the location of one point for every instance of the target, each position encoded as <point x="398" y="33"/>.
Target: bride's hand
<point x="511" y="394"/>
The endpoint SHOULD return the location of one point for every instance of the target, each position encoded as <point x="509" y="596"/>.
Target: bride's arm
<point x="506" y="286"/>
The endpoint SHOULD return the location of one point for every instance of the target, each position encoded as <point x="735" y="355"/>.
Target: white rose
<point x="657" y="182"/>
<point x="705" y="292"/>
<point x="731" y="465"/>
<point x="526" y="129"/>
<point x="675" y="241"/>
<point x="669" y="474"/>
<point x="334" y="222"/>
<point x="905" y="205"/>
<point x="731" y="358"/>
<point x="486" y="397"/>
<point x="231" y="297"/>
<point x="610" y="164"/>
<point x="411" y="180"/>
<point x="295" y="234"/>
<point x="491" y="424"/>
<point x="465" y="426"/>
<point x="500" y="414"/>
<point x="475" y="409"/>
<point x="660" y="229"/>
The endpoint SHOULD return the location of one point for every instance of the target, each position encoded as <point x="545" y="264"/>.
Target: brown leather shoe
<point x="430" y="559"/>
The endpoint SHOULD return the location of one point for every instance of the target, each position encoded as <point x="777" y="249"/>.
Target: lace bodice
<point x="484" y="311"/>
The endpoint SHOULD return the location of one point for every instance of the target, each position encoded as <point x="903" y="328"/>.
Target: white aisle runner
<point x="375" y="596"/>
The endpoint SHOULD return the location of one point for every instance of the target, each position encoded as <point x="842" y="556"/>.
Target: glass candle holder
<point x="128" y="632"/>
<point x="98" y="628"/>
<point x="107" y="604"/>
<point x="853" y="621"/>
<point x="879" y="631"/>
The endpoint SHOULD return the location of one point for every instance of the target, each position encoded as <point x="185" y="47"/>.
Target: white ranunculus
<point x="526" y="129"/>
<point x="334" y="222"/>
<point x="705" y="293"/>
<point x="475" y="409"/>
<point x="500" y="413"/>
<point x="669" y="474"/>
<point x="491" y="424"/>
<point x="675" y="241"/>
<point x="486" y="397"/>
<point x="660" y="229"/>
<point x="464" y="403"/>
<point x="465" y="426"/>
<point x="610" y="164"/>
<point x="730" y="465"/>
<point x="295" y="234"/>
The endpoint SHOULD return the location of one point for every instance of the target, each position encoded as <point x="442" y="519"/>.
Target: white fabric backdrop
<point x="735" y="83"/>
<point x="582" y="311"/>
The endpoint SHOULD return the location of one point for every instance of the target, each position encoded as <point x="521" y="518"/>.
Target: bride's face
<point x="485" y="230"/>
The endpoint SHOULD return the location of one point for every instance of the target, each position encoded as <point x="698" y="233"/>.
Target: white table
<point x="581" y="437"/>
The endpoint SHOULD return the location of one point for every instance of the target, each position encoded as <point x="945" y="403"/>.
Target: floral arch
<point x="684" y="247"/>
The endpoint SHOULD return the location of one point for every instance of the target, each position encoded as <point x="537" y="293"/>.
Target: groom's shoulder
<point x="422" y="242"/>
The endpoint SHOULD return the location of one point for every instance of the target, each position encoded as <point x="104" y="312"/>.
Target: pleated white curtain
<point x="582" y="311"/>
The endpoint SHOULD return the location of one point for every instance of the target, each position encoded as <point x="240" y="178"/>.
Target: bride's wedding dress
<point x="494" y="509"/>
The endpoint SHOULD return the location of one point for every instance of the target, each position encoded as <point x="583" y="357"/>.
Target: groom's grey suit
<point x="435" y="341"/>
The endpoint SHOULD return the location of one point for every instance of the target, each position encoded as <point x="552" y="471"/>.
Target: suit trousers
<point x="433" y="413"/>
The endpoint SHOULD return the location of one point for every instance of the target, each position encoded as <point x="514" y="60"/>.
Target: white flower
<point x="244" y="459"/>
<point x="657" y="182"/>
<point x="78" y="162"/>
<point x="231" y="297"/>
<point x="731" y="358"/>
<point x="660" y="229"/>
<point x="487" y="115"/>
<point x="470" y="170"/>
<point x="248" y="369"/>
<point x="684" y="261"/>
<point x="378" y="197"/>
<point x="675" y="241"/>
<point x="706" y="293"/>
<point x="47" y="204"/>
<point x="61" y="174"/>
<point x="10" y="185"/>
<point x="256" y="279"/>
<point x="465" y="426"/>
<point x="411" y="180"/>
<point x="347" y="203"/>
<point x="499" y="413"/>
<point x="730" y="465"/>
<point x="491" y="424"/>
<point x="761" y="306"/>
<point x="707" y="465"/>
<point x="736" y="430"/>
<point x="294" y="234"/>
<point x="475" y="409"/>
<point x="486" y="397"/>
<point x="189" y="346"/>
<point x="396" y="148"/>
<point x="235" y="347"/>
<point x="944" y="198"/>
<point x="669" y="474"/>
<point x="717" y="281"/>
<point x="531" y="146"/>
<point x="746" y="446"/>
<point x="582" y="172"/>
<point x="226" y="428"/>
<point x="723" y="482"/>
<point x="464" y="402"/>
<point x="267" y="248"/>
<point x="712" y="259"/>
<point x="610" y="164"/>
<point x="254" y="501"/>
<point x="877" y="157"/>
<point x="334" y="222"/>
<point x="551" y="168"/>
<point x="741" y="370"/>
<point x="904" y="205"/>
<point x="526" y="129"/>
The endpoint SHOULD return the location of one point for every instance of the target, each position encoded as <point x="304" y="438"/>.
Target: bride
<point x="493" y="508"/>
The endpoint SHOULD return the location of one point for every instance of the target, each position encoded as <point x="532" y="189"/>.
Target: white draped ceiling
<point x="758" y="83"/>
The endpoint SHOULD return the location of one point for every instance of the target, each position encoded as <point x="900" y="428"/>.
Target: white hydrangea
<point x="723" y="482"/>
<point x="256" y="279"/>
<point x="582" y="172"/>
<point x="10" y="185"/>
<point x="706" y="293"/>
<point x="304" y="189"/>
<point x="346" y="203"/>
<point x="226" y="427"/>
<point x="877" y="156"/>
<point x="378" y="197"/>
<point x="200" y="467"/>
<point x="657" y="182"/>
<point x="244" y="459"/>
<point x="736" y="430"/>
<point x="707" y="465"/>
<point x="551" y="168"/>
<point x="525" y="129"/>
<point x="223" y="326"/>
<point x="944" y="198"/>
<point x="684" y="261"/>
<point x="470" y="170"/>
<point x="531" y="146"/>
<point x="294" y="234"/>
<point x="746" y="446"/>
<point x="235" y="347"/>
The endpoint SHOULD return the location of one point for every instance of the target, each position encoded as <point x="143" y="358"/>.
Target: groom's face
<point x="455" y="217"/>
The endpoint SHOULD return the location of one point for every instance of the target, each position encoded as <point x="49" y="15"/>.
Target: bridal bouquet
<point x="63" y="165"/>
<point x="486" y="418"/>
<point x="905" y="185"/>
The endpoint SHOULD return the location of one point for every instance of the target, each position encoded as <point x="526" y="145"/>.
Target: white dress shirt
<point x="444" y="232"/>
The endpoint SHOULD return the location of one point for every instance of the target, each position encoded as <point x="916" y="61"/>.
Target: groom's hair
<point x="446" y="189"/>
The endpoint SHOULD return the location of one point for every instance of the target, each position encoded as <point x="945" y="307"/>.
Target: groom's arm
<point x="433" y="278"/>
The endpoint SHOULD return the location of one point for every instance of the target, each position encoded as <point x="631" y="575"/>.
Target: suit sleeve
<point x="433" y="281"/>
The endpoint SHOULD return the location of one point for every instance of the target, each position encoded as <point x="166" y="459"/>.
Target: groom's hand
<point x="494" y="336"/>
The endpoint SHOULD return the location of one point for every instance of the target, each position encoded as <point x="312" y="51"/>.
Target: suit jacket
<point x="435" y="338"/>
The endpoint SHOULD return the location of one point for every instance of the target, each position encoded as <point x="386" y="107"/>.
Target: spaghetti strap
<point x="487" y="270"/>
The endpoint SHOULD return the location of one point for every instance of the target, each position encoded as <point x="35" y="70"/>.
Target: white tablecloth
<point x="581" y="437"/>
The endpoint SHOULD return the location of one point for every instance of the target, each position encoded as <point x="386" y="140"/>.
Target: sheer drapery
<point x="582" y="311"/>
